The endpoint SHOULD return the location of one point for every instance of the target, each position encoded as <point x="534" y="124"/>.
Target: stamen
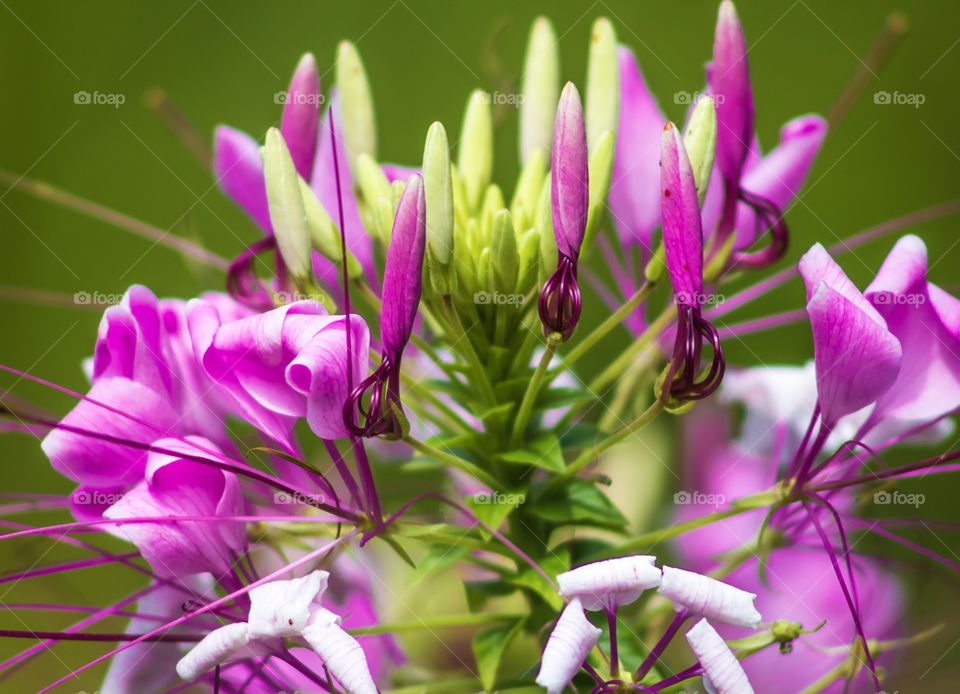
<point x="768" y="218"/>
<point x="242" y="281"/>
<point x="559" y="302"/>
<point x="681" y="383"/>
<point x="381" y="389"/>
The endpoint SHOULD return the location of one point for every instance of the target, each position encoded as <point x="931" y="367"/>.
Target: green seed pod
<point x="356" y="105"/>
<point x="287" y="215"/>
<point x="602" y="111"/>
<point x="540" y="90"/>
<point x="700" y="141"/>
<point x="475" y="151"/>
<point x="601" y="168"/>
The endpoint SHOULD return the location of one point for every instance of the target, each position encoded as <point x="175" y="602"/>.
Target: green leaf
<point x="494" y="508"/>
<point x="581" y="503"/>
<point x="488" y="648"/>
<point x="478" y="593"/>
<point x="554" y="563"/>
<point x="543" y="452"/>
<point x="398" y="548"/>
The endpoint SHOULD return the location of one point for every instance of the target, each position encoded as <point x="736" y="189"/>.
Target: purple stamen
<point x="559" y="304"/>
<point x="682" y="383"/>
<point x="242" y="281"/>
<point x="768" y="218"/>
<point x="381" y="389"/>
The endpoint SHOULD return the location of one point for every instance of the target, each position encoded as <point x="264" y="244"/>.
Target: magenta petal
<point x="857" y="358"/>
<point x="682" y="232"/>
<point x="729" y="78"/>
<point x="817" y="266"/>
<point x="239" y="171"/>
<point x="779" y="176"/>
<point x="178" y="487"/>
<point x="928" y="385"/>
<point x="569" y="173"/>
<point x="635" y="184"/>
<point x="403" y="272"/>
<point x="396" y="172"/>
<point x="301" y="113"/>
<point x="100" y="463"/>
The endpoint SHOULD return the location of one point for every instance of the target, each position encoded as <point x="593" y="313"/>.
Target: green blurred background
<point x="222" y="62"/>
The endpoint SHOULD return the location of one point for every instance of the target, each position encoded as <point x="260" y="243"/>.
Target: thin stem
<point x="463" y="344"/>
<point x="661" y="645"/>
<point x="454" y="461"/>
<point x="649" y="336"/>
<point x="533" y="389"/>
<point x="611" y="322"/>
<point x="158" y="101"/>
<point x="366" y="479"/>
<point x="45" y="191"/>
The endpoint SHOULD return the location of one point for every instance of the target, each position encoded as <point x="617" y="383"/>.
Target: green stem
<point x="454" y="461"/>
<point x="621" y="363"/>
<point x="463" y="344"/>
<point x="587" y="456"/>
<point x="533" y="388"/>
<point x="442" y="622"/>
<point x="612" y="321"/>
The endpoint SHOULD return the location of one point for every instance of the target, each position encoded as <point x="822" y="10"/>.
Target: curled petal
<point x="341" y="653"/>
<point x="722" y="672"/>
<point x="682" y="230"/>
<point x="570" y="641"/>
<point x="634" y="188"/>
<point x="217" y="647"/>
<point x="301" y="113"/>
<point x="282" y="608"/>
<point x="611" y="583"/>
<point x="709" y="597"/>
<point x="730" y="83"/>
<point x="569" y="174"/>
<point x="817" y="266"/>
<point x="403" y="272"/>
<point x="239" y="171"/>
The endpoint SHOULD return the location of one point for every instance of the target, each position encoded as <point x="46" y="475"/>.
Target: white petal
<point x="282" y="608"/>
<point x="610" y="583"/>
<point x="215" y="648"/>
<point x="567" y="648"/>
<point x="341" y="653"/>
<point x="709" y="597"/>
<point x="723" y="673"/>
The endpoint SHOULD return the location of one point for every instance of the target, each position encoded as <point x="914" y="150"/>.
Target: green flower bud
<point x="540" y="90"/>
<point x="656" y="265"/>
<point x="356" y="105"/>
<point x="600" y="170"/>
<point x="484" y="267"/>
<point x="504" y="260"/>
<point x="700" y="141"/>
<point x="287" y="215"/>
<point x="465" y="258"/>
<point x="602" y="111"/>
<point x="528" y="252"/>
<point x="374" y="191"/>
<point x="492" y="204"/>
<point x="527" y="193"/>
<point x="438" y="190"/>
<point x="548" y="241"/>
<point x="475" y="151"/>
<point x="324" y="234"/>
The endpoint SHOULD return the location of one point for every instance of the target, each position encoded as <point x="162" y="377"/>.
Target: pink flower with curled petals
<point x="611" y="583"/>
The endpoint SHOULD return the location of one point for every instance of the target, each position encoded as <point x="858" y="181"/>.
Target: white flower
<point x="567" y="648"/>
<point x="723" y="673"/>
<point x="285" y="609"/>
<point x="709" y="597"/>
<point x="610" y="583"/>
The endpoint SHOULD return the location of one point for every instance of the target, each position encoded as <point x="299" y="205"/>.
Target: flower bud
<point x="403" y="270"/>
<point x="722" y="672"/>
<point x="709" y="597"/>
<point x="526" y="195"/>
<point x="540" y="90"/>
<point x="528" y="251"/>
<point x="301" y="113"/>
<point x="287" y="215"/>
<point x="611" y="583"/>
<point x="730" y="83"/>
<point x="700" y="141"/>
<point x="475" y="151"/>
<point x="377" y="197"/>
<point x="569" y="177"/>
<point x="682" y="230"/>
<point x="438" y="192"/>
<point x="356" y="105"/>
<point x="603" y="82"/>
<point x="570" y="641"/>
<point x="504" y="258"/>
<point x="324" y="234"/>
<point x="601" y="168"/>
